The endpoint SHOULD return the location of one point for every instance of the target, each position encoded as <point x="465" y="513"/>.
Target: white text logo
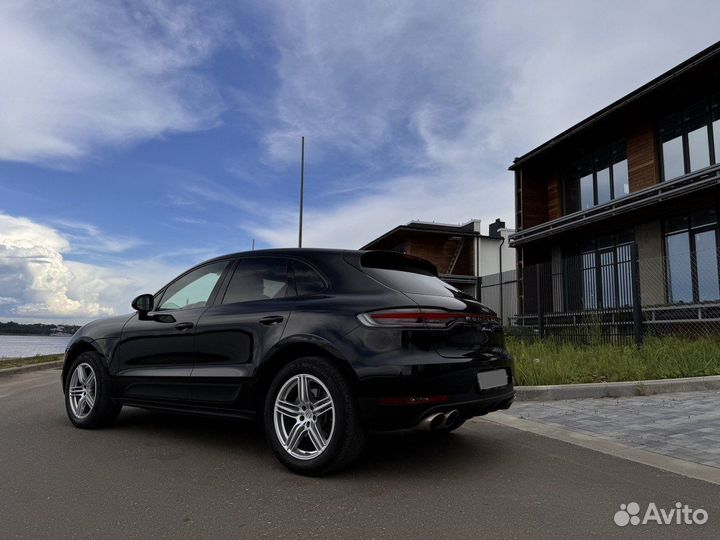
<point x="681" y="514"/>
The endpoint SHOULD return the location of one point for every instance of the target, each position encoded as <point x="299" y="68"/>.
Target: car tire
<point x="309" y="444"/>
<point x="87" y="393"/>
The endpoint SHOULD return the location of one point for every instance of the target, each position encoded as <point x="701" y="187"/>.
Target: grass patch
<point x="545" y="362"/>
<point x="39" y="359"/>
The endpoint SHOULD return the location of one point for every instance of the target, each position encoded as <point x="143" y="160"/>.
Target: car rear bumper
<point x="382" y="417"/>
<point x="400" y="397"/>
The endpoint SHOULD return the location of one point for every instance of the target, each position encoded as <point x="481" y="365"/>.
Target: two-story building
<point x="640" y="176"/>
<point x="461" y="253"/>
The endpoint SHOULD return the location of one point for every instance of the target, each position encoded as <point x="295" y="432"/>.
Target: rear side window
<point x="258" y="279"/>
<point x="405" y="274"/>
<point x="307" y="280"/>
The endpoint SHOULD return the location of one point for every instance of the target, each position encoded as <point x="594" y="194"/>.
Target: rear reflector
<point x="421" y="318"/>
<point x="415" y="400"/>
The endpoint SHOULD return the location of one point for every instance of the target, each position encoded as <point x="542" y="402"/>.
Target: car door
<point x="156" y="353"/>
<point x="233" y="335"/>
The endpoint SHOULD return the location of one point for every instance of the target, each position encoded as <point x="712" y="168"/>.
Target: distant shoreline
<point x="35" y="335"/>
<point x="13" y="328"/>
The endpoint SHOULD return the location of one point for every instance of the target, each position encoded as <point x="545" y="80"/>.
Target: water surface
<point x="22" y="346"/>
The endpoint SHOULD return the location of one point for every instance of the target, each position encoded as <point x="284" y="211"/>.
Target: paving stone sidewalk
<point x="683" y="425"/>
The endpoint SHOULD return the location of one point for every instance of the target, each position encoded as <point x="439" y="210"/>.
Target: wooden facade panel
<point x="643" y="159"/>
<point x="534" y="195"/>
<point x="554" y="196"/>
<point x="439" y="250"/>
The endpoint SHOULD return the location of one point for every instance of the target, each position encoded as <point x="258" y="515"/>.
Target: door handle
<point x="184" y="325"/>
<point x="271" y="319"/>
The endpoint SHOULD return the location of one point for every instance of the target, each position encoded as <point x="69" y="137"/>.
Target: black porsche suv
<point x="320" y="346"/>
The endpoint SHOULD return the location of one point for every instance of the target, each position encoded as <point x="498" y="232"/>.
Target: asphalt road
<point x="165" y="476"/>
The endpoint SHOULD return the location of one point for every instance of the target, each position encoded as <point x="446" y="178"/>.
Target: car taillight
<point x="421" y="318"/>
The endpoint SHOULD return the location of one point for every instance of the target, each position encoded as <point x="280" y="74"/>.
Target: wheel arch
<point x="77" y="348"/>
<point x="289" y="351"/>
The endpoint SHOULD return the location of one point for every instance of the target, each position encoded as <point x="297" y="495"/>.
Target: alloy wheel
<point x="304" y="416"/>
<point x="82" y="390"/>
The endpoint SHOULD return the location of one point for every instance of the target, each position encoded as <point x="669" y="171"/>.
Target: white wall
<point x="490" y="257"/>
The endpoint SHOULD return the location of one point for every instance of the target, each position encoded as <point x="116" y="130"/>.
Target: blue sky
<point x="138" y="138"/>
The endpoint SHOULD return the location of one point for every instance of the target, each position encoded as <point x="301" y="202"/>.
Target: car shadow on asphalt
<point x="216" y="432"/>
<point x="399" y="453"/>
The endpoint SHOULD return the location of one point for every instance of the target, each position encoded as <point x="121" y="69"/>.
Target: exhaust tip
<point x="437" y="421"/>
<point x="451" y="418"/>
<point x="430" y="422"/>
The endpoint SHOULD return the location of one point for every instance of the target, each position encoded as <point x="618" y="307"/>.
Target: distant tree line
<point x="37" y="329"/>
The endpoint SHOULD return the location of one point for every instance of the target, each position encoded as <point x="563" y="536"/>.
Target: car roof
<point x="324" y="259"/>
<point x="295" y="252"/>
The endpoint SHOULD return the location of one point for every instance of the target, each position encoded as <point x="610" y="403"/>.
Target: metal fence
<point x="610" y="295"/>
<point x="499" y="292"/>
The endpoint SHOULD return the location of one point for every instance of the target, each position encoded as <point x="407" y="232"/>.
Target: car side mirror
<point x="144" y="303"/>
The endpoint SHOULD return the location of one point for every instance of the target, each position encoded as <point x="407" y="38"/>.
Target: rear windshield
<point x="405" y="274"/>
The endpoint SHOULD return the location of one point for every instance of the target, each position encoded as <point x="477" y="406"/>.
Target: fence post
<point x="637" y="307"/>
<point x="540" y="303"/>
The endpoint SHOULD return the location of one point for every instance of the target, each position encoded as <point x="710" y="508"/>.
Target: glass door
<point x="706" y="265"/>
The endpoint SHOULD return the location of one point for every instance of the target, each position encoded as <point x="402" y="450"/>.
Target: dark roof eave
<point x="620" y="103"/>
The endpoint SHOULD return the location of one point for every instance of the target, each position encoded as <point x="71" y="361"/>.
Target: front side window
<point x="689" y="139"/>
<point x="194" y="289"/>
<point x="260" y="278"/>
<point x="602" y="176"/>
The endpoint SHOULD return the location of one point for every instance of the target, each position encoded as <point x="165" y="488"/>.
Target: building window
<point x="602" y="176"/>
<point x="689" y="140"/>
<point x="692" y="257"/>
<point x="598" y="273"/>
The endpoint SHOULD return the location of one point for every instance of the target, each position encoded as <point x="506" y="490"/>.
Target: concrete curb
<point x="616" y="389"/>
<point x="609" y="447"/>
<point x="6" y="372"/>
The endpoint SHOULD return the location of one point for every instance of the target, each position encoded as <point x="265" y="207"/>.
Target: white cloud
<point x="38" y="281"/>
<point x="200" y="190"/>
<point x="79" y="75"/>
<point x="33" y="276"/>
<point x="88" y="238"/>
<point x="452" y="92"/>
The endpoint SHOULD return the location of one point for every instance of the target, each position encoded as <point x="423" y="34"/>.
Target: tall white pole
<point x="302" y="187"/>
